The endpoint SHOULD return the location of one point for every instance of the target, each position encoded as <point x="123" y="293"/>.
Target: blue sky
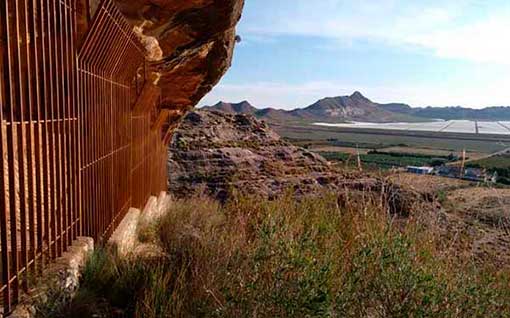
<point x="423" y="52"/>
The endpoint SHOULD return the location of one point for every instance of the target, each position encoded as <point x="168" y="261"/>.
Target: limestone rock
<point x="190" y="42"/>
<point x="214" y="153"/>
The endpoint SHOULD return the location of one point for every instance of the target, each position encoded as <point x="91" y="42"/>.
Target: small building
<point x="475" y="174"/>
<point x="480" y="175"/>
<point x="449" y="171"/>
<point x="420" y="170"/>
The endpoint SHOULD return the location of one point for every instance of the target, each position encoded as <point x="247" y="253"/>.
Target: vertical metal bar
<point x="95" y="137"/>
<point x="63" y="135"/>
<point x="45" y="125"/>
<point x="21" y="137"/>
<point x="57" y="133"/>
<point x="64" y="199"/>
<point x="87" y="137"/>
<point x="36" y="52"/>
<point x="75" y="127"/>
<point x="67" y="214"/>
<point x="13" y="206"/>
<point x="4" y="184"/>
<point x="50" y="121"/>
<point x="78" y="112"/>
<point x="76" y="188"/>
<point x="87" y="153"/>
<point x="71" y="191"/>
<point x="29" y="42"/>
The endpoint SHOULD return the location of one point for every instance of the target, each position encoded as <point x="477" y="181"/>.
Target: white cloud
<point x="480" y="42"/>
<point x="462" y="29"/>
<point x="470" y="30"/>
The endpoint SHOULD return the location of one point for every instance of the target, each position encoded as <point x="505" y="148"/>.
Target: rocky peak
<point x="359" y="97"/>
<point x="243" y="107"/>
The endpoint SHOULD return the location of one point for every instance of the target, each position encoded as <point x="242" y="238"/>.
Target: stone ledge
<point x="125" y="238"/>
<point x="63" y="274"/>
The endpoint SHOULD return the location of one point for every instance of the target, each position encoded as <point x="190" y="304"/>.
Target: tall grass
<point x="319" y="257"/>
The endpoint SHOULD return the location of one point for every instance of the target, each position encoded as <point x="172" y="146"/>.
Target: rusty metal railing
<point x="39" y="133"/>
<point x="123" y="160"/>
<point x="74" y="155"/>
<point x="108" y="64"/>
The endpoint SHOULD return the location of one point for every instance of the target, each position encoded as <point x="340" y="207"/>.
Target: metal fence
<point x="75" y="156"/>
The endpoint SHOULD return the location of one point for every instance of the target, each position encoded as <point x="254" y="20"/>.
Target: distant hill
<point x="331" y="110"/>
<point x="449" y="113"/>
<point x="357" y="107"/>
<point x="245" y="107"/>
<point x="242" y="107"/>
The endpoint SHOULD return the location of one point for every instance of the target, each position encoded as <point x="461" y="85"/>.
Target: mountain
<point x="331" y="109"/>
<point x="398" y="108"/>
<point x="354" y="107"/>
<point x="357" y="107"/>
<point x="498" y="113"/>
<point x="242" y="107"/>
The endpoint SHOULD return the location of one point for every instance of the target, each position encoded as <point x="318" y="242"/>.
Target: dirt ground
<point x="428" y="184"/>
<point x="476" y="217"/>
<point x="482" y="217"/>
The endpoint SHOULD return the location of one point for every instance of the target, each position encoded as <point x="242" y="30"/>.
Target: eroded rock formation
<point x="196" y="41"/>
<point x="189" y="45"/>
<point x="214" y="153"/>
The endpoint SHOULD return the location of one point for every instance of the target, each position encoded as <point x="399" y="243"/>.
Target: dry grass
<point x="319" y="257"/>
<point x="429" y="183"/>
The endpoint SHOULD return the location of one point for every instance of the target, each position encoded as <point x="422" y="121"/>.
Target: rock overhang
<point x="189" y="45"/>
<point x="196" y="39"/>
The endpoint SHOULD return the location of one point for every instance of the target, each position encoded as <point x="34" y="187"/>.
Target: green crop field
<point x="502" y="161"/>
<point x="388" y="160"/>
<point x="405" y="148"/>
<point x="499" y="164"/>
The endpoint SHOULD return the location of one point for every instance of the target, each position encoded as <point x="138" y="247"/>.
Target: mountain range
<point x="357" y="107"/>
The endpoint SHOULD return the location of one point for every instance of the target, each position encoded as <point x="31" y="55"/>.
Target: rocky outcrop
<point x="216" y="153"/>
<point x="190" y="43"/>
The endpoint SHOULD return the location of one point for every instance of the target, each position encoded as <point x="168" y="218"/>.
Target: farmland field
<point x="347" y="150"/>
<point x="384" y="160"/>
<point x="502" y="161"/>
<point x="378" y="138"/>
<point x="431" y="152"/>
<point x="452" y="126"/>
<point x="383" y="148"/>
<point x="499" y="164"/>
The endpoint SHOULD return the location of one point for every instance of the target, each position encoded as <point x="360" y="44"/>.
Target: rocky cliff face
<point x="214" y="151"/>
<point x="190" y="43"/>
